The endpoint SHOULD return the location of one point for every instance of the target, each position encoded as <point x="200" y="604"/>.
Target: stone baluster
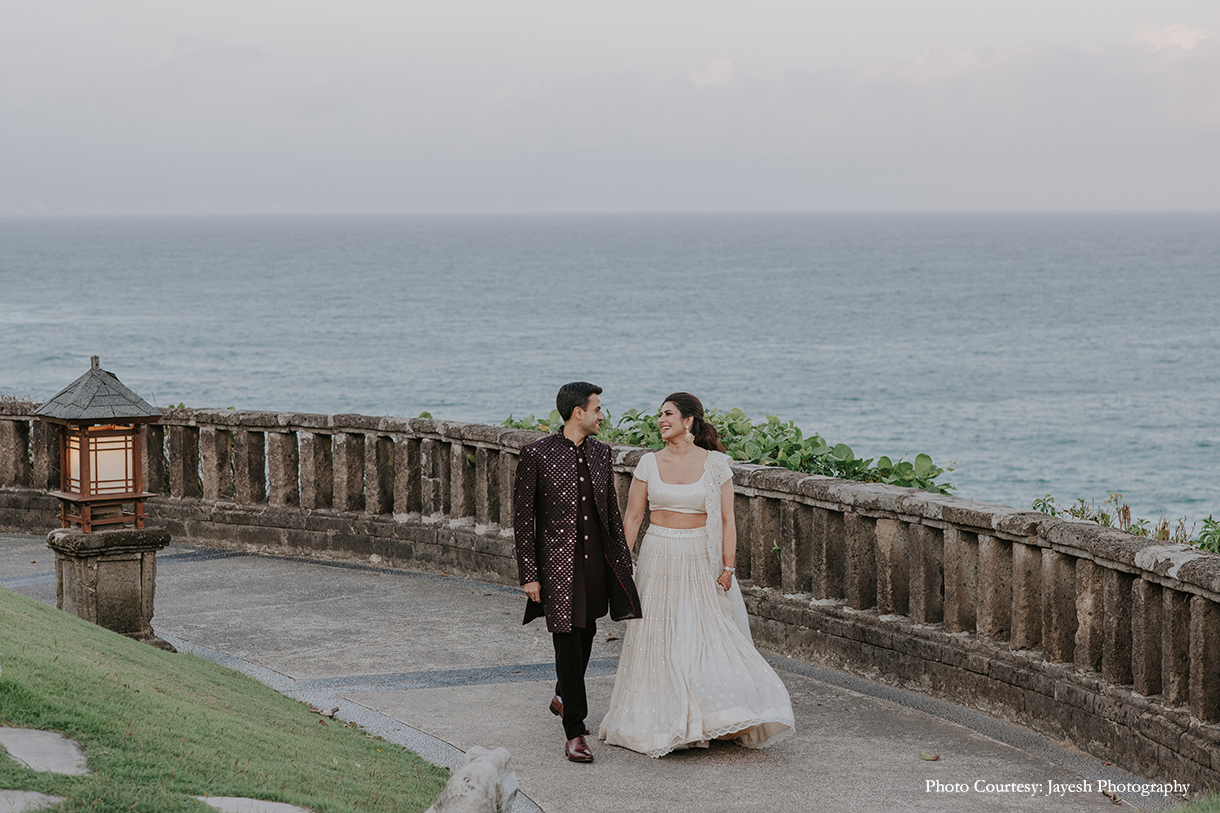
<point x="486" y="486"/>
<point x="284" y="466"/>
<point x="1175" y="647"/>
<point x="1058" y="606"/>
<point x="1147" y="629"/>
<point x="462" y="464"/>
<point x="250" y="466"/>
<point x="156" y="471"/>
<point x="796" y="555"/>
<point x="432" y="501"/>
<point x="828" y="550"/>
<point x="508" y="471"/>
<point x="14" y="453"/>
<point x="893" y="567"/>
<point x="1204" y="659"/>
<point x="765" y="529"/>
<point x="1026" y="596"/>
<point x="860" y="572"/>
<point x="743" y="517"/>
<point x="44" y="448"/>
<point x="443" y="471"/>
<point x="183" y="462"/>
<point x="378" y="474"/>
<point x="961" y="580"/>
<point x="1090" y="614"/>
<point x="994" y="615"/>
<point x="927" y="592"/>
<point x="1116" y="651"/>
<point x="216" y="461"/>
<point x="317" y="471"/>
<point x="407" y="475"/>
<point x="348" y="450"/>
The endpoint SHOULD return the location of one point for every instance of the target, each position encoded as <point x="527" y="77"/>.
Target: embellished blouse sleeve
<point x="643" y="469"/>
<point x="721" y="472"/>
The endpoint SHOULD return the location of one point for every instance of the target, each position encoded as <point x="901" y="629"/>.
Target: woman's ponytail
<point x="705" y="434"/>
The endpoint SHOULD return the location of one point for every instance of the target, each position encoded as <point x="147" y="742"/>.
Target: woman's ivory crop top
<point x="681" y="499"/>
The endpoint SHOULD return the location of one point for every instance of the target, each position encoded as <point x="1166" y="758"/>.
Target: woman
<point x="689" y="672"/>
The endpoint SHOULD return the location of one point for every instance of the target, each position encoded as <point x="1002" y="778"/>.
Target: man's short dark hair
<point x="574" y="395"/>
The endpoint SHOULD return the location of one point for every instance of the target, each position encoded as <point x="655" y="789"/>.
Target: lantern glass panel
<point x="110" y="462"/>
<point x="74" y="463"/>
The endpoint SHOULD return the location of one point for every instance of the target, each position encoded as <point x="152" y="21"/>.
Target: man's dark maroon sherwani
<point x="569" y="536"/>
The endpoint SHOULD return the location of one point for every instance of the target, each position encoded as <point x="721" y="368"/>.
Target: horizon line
<point x="601" y="213"/>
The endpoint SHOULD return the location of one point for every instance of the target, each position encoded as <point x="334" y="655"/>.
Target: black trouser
<point x="572" y="650"/>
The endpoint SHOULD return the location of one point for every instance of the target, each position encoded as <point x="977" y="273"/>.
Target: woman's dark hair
<point x="705" y="434"/>
<point x="574" y="395"/>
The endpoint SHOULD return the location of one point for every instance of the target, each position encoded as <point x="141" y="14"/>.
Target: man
<point x="572" y="556"/>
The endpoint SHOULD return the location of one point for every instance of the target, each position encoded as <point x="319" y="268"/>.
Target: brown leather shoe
<point x="557" y="709"/>
<point x="578" y="750"/>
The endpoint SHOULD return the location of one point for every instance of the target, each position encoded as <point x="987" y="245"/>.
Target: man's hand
<point x="533" y="590"/>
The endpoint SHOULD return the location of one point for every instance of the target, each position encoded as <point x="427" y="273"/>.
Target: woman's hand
<point x="725" y="580"/>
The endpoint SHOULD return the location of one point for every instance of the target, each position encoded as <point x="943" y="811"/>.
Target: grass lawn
<point x="159" y="728"/>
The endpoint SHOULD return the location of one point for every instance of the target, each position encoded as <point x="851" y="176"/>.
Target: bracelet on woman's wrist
<point x="730" y="569"/>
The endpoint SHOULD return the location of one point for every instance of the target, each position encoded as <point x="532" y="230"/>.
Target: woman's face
<point x="673" y="425"/>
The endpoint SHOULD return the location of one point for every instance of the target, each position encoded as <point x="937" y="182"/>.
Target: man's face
<point x="590" y="415"/>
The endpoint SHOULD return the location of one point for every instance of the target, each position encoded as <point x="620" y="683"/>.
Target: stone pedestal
<point x="109" y="578"/>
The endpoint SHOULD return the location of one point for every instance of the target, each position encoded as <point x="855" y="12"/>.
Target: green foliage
<point x="159" y="728"/>
<point x="549" y="424"/>
<point x="1139" y="527"/>
<point x="1209" y="538"/>
<point x="1046" y="504"/>
<point x="769" y="443"/>
<point x="1115" y="513"/>
<point x="635" y="428"/>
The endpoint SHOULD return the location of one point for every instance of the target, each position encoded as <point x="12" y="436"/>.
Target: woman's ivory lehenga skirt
<point x="688" y="673"/>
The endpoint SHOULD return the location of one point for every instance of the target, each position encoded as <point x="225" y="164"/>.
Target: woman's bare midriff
<point x="677" y="519"/>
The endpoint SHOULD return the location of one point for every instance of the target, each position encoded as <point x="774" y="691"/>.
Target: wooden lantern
<point x="101" y="476"/>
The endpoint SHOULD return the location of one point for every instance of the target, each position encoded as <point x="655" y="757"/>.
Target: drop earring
<point x="689" y="437"/>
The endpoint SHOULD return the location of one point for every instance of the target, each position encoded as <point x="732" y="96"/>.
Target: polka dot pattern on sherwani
<point x="546" y="496"/>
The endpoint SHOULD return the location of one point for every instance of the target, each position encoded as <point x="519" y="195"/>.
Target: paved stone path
<point x="440" y="664"/>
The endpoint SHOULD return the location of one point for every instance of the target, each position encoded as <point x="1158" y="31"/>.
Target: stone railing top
<point x="19" y="409"/>
<point x="1110" y="547"/>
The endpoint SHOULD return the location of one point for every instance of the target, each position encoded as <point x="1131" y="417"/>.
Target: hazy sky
<point x="542" y="105"/>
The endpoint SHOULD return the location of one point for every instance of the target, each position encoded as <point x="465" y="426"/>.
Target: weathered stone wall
<point x="1081" y="632"/>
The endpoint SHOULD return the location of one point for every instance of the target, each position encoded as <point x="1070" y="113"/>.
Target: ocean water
<point x="1069" y="354"/>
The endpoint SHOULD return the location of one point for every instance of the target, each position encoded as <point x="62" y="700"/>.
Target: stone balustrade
<point x="1085" y="633"/>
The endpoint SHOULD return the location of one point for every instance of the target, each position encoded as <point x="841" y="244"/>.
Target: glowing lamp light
<point x="101" y="477"/>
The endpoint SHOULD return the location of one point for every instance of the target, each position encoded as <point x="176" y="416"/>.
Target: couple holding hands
<point x="689" y="672"/>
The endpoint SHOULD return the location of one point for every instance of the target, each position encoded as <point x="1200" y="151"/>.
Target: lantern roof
<point x="97" y="396"/>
